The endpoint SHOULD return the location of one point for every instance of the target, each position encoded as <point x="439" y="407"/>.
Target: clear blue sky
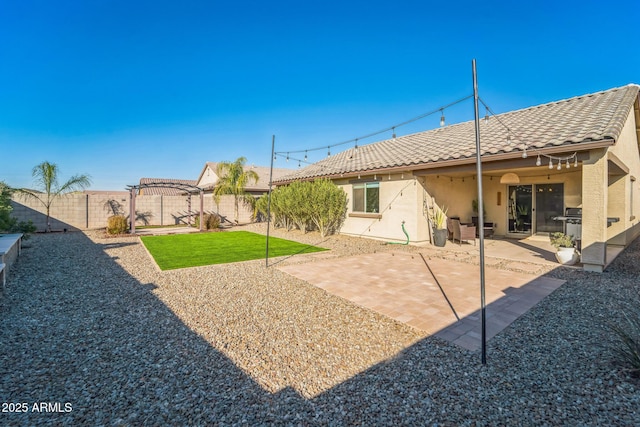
<point x="122" y="90"/>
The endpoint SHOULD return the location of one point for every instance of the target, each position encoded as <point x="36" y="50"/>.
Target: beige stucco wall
<point x="400" y="200"/>
<point x="626" y="150"/>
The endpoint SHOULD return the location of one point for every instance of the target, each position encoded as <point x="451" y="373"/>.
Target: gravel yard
<point x="93" y="323"/>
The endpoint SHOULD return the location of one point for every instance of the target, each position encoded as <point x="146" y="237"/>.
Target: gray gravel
<point x="92" y="322"/>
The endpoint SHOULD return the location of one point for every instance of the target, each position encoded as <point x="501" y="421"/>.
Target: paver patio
<point x="435" y="295"/>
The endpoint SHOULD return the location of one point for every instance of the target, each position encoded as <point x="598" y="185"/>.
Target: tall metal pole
<point x="480" y="214"/>
<point x="273" y="144"/>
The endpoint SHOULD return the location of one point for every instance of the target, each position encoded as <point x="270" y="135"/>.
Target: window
<point x="366" y="197"/>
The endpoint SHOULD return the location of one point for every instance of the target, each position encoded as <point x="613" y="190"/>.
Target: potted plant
<point x="566" y="252"/>
<point x="439" y="219"/>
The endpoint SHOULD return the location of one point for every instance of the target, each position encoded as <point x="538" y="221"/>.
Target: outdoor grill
<point x="572" y="222"/>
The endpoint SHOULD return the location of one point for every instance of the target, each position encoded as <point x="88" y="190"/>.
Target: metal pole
<point x="273" y="144"/>
<point x="480" y="214"/>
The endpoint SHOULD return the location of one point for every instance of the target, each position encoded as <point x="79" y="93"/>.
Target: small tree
<point x="46" y="177"/>
<point x="6" y="222"/>
<point x="233" y="179"/>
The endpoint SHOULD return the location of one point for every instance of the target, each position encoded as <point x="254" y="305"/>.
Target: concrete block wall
<point x="91" y="211"/>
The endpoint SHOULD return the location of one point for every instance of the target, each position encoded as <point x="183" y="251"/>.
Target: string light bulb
<point x="538" y="161"/>
<point x="508" y="138"/>
<point x="329" y="151"/>
<point x="550" y="163"/>
<point x="524" y="153"/>
<point x="486" y="115"/>
<point x="575" y="163"/>
<point x="568" y="165"/>
<point x="287" y="157"/>
<point x="559" y="165"/>
<point x="393" y="130"/>
<point x="305" y="155"/>
<point x="442" y="122"/>
<point x="356" y="144"/>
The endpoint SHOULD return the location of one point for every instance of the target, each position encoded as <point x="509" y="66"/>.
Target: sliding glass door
<point x="520" y="202"/>
<point x="532" y="208"/>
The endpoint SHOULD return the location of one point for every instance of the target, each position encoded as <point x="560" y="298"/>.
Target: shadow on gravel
<point x="92" y="336"/>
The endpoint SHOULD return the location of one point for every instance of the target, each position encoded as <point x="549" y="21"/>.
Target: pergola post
<point x="201" y="209"/>
<point x="132" y="211"/>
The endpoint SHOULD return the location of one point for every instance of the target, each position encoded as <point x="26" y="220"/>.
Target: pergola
<point x="186" y="188"/>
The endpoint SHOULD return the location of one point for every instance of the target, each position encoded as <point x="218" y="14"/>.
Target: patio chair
<point x="462" y="232"/>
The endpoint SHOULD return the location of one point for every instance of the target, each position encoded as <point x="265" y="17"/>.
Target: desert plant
<point x="117" y="224"/>
<point x="46" y="176"/>
<point x="627" y="346"/>
<point x="211" y="221"/>
<point x="561" y="240"/>
<point x="439" y="218"/>
<point x="327" y="206"/>
<point x="24" y="227"/>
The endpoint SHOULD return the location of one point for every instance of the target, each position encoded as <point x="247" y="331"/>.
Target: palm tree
<point x="45" y="176"/>
<point x="233" y="179"/>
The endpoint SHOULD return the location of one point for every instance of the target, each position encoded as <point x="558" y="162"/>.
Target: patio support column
<point x="595" y="182"/>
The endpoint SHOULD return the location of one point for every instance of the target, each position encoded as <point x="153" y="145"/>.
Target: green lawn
<point x="197" y="249"/>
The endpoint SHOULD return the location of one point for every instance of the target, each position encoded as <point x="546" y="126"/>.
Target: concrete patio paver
<point x="435" y="295"/>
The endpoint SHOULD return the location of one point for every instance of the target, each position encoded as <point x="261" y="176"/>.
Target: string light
<point x="329" y="151"/>
<point x="575" y="163"/>
<point x="287" y="157"/>
<point x="550" y="163"/>
<point x="508" y="137"/>
<point x="393" y="135"/>
<point x="356" y="144"/>
<point x="568" y="166"/>
<point x="559" y="165"/>
<point x="538" y="161"/>
<point x="442" y="122"/>
<point x="524" y="153"/>
<point x="305" y="156"/>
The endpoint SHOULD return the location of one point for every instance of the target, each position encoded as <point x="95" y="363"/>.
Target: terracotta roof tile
<point x="594" y="117"/>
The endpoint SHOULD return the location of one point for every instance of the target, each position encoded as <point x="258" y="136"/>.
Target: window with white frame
<point x="366" y="197"/>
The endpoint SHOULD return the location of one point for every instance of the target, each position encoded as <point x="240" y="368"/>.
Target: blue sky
<point x="122" y="90"/>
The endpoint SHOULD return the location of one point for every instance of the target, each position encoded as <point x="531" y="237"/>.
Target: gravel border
<point x="92" y="322"/>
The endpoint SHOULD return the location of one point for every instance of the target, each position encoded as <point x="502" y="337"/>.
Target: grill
<point x="572" y="222"/>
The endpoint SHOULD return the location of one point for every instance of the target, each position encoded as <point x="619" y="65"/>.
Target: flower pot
<point x="567" y="256"/>
<point x="440" y="237"/>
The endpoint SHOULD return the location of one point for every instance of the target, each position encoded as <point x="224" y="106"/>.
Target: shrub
<point x="117" y="224"/>
<point x="319" y="204"/>
<point x="627" y="345"/>
<point x="211" y="221"/>
<point x="561" y="240"/>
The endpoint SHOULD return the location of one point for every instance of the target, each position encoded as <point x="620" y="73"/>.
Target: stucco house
<point x="582" y="153"/>
<point x="208" y="178"/>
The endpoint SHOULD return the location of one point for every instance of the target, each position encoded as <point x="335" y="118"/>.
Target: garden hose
<point x="401" y="243"/>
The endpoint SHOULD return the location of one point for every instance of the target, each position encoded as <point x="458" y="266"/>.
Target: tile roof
<point x="164" y="191"/>
<point x="589" y="118"/>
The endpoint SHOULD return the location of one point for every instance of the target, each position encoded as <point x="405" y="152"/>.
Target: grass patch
<point x="194" y="250"/>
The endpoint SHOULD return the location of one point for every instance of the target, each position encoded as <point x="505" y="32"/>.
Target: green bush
<point x="211" y="221"/>
<point x="117" y="224"/>
<point x="319" y="205"/>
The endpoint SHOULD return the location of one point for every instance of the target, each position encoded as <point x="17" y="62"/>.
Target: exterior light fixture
<point x="509" y="178"/>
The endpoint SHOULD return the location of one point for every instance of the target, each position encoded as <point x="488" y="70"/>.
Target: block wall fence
<point x="91" y="211"/>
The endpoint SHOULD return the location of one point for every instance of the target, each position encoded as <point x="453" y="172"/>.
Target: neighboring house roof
<point x="262" y="171"/>
<point x="572" y="123"/>
<point x="164" y="191"/>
